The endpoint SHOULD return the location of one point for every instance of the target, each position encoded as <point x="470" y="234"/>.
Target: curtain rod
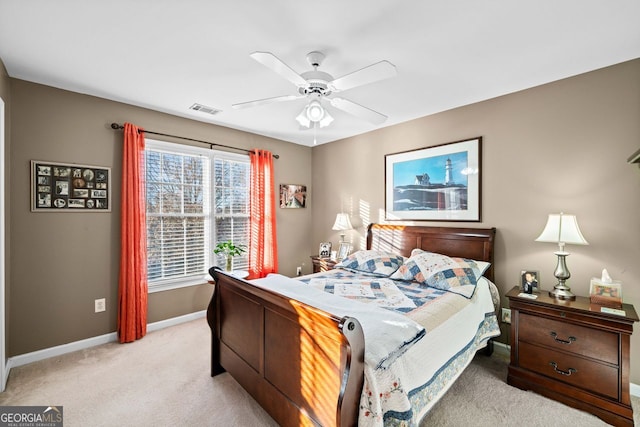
<point x="116" y="126"/>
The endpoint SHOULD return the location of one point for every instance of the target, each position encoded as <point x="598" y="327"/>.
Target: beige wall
<point x="62" y="261"/>
<point x="558" y="147"/>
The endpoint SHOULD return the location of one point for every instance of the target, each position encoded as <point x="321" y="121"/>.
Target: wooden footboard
<point x="303" y="365"/>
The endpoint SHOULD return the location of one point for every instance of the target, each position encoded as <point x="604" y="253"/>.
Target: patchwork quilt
<point x="403" y="297"/>
<point x="402" y="392"/>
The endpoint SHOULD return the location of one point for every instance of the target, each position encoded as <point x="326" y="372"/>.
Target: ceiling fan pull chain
<point x="315" y="132"/>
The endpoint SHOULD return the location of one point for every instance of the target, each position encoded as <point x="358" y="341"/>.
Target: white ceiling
<point x="166" y="55"/>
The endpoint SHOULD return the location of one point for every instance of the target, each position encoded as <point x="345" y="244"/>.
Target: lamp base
<point x="562" y="292"/>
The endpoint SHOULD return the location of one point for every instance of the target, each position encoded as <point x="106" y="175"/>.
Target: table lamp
<point x="562" y="229"/>
<point x="342" y="223"/>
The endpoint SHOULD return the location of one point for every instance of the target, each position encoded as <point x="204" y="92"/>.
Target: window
<point x="231" y="210"/>
<point x="195" y="198"/>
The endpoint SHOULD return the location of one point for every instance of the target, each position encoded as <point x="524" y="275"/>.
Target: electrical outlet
<point x="506" y="315"/>
<point x="100" y="305"/>
<point x="298" y="271"/>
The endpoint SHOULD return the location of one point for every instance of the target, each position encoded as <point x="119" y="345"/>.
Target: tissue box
<point x="607" y="294"/>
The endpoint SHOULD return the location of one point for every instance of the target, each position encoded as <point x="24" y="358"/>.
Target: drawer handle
<point x="561" y="341"/>
<point x="560" y="371"/>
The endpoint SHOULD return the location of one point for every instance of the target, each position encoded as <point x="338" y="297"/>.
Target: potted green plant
<point x="229" y="250"/>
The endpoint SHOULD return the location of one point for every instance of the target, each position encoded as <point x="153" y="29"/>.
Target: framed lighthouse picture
<point x="438" y="183"/>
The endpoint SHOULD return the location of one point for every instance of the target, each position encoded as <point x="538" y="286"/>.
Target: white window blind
<point x="231" y="206"/>
<point x="184" y="186"/>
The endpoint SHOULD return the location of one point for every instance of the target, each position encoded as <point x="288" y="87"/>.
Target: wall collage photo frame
<point x="70" y="187"/>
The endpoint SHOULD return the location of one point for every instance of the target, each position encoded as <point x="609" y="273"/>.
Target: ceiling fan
<point x="318" y="85"/>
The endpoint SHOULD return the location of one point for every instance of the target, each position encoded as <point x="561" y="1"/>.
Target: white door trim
<point x="4" y="373"/>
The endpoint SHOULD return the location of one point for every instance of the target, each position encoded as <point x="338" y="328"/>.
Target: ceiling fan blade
<point x="266" y="101"/>
<point x="358" y="110"/>
<point x="271" y="61"/>
<point x="373" y="73"/>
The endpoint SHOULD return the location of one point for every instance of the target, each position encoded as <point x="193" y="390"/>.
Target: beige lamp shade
<point x="342" y="222"/>
<point x="562" y="229"/>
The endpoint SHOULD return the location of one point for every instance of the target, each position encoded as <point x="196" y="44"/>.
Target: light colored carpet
<point x="163" y="380"/>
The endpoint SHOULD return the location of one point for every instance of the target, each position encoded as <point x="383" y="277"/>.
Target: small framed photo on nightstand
<point x="325" y="250"/>
<point x="343" y="251"/>
<point x="529" y="282"/>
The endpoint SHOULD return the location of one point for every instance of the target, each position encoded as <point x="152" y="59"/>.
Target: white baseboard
<point x="175" y="321"/>
<point x="46" y="353"/>
<point x="504" y="350"/>
<point x="634" y="389"/>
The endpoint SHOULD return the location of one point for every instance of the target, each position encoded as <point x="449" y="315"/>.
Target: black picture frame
<point x="69" y="187"/>
<point x="529" y="281"/>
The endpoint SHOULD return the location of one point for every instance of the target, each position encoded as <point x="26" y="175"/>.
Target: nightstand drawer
<point x="597" y="344"/>
<point x="579" y="372"/>
<point x="322" y="264"/>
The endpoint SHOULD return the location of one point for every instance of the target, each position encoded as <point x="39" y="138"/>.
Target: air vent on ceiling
<point x="204" y="109"/>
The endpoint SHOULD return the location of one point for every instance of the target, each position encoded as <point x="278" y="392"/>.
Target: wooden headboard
<point x="471" y="243"/>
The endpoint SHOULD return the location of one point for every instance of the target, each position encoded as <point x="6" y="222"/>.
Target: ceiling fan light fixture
<point x="326" y="120"/>
<point x="315" y="112"/>
<point x="303" y="119"/>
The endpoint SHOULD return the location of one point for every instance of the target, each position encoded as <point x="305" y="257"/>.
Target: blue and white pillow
<point x="457" y="275"/>
<point x="479" y="267"/>
<point x="380" y="263"/>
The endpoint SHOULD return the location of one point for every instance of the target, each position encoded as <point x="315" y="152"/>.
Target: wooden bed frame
<point x="305" y="366"/>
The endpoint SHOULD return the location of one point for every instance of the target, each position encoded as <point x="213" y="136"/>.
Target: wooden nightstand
<point x="322" y="264"/>
<point x="571" y="352"/>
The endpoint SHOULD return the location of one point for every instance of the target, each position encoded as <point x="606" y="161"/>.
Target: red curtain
<point x="132" y="290"/>
<point x="263" y="248"/>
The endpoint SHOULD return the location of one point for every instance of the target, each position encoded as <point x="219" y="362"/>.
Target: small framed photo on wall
<point x="529" y="282"/>
<point x="293" y="196"/>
